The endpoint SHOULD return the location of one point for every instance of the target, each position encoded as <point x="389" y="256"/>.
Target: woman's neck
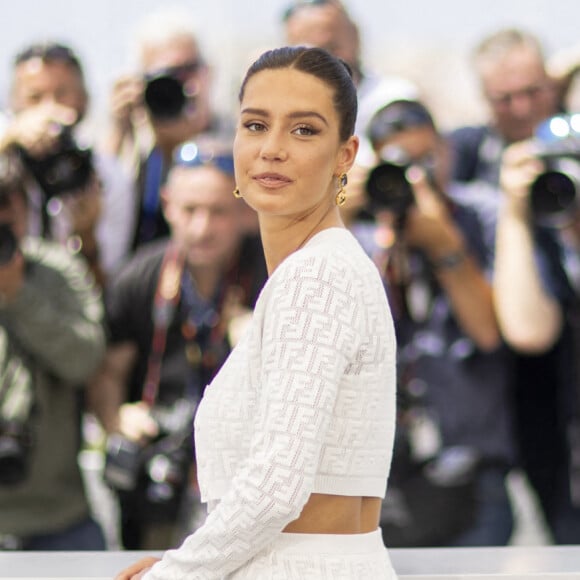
<point x="280" y="238"/>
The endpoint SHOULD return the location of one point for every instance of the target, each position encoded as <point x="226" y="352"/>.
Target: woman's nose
<point x="274" y="147"/>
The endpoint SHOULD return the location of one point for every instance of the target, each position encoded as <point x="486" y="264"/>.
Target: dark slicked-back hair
<point x="319" y="63"/>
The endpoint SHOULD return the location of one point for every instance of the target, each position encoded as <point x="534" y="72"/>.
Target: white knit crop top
<point x="304" y="404"/>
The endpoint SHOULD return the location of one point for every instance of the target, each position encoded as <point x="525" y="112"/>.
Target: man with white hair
<point x="164" y="104"/>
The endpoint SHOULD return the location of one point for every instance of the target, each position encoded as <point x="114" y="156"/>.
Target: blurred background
<point x="429" y="42"/>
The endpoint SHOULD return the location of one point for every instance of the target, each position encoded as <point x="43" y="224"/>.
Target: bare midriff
<point x="337" y="514"/>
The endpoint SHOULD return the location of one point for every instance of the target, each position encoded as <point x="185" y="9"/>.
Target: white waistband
<point x="331" y="543"/>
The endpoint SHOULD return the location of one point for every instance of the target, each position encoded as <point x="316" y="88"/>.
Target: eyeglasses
<point x="181" y="72"/>
<point x="190" y="155"/>
<point x="505" y="100"/>
<point x="302" y="3"/>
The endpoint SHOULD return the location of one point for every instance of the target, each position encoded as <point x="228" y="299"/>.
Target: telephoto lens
<point x="554" y="193"/>
<point x="387" y="185"/>
<point x="68" y="169"/>
<point x="164" y="97"/>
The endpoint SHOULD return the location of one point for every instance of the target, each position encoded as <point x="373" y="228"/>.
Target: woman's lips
<point x="272" y="180"/>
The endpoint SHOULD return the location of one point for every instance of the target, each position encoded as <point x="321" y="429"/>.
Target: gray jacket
<point x="56" y="323"/>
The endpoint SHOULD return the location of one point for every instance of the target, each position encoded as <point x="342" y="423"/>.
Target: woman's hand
<point x="138" y="570"/>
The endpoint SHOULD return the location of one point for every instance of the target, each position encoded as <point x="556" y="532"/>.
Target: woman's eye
<point x="254" y="126"/>
<point x="305" y="130"/>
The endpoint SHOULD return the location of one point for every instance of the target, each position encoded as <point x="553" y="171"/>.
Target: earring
<point x="341" y="194"/>
<point x="237" y="193"/>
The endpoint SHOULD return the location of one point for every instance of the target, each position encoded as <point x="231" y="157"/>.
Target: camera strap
<point x="164" y="305"/>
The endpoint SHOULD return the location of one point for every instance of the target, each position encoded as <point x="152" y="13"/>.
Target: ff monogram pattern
<point x="305" y="403"/>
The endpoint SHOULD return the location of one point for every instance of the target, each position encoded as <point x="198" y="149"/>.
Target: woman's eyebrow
<point x="301" y="114"/>
<point x="293" y="115"/>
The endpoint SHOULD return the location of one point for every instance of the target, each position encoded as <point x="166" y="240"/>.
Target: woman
<point x="294" y="436"/>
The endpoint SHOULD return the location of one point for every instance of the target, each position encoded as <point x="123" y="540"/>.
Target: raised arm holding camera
<point x="521" y="95"/>
<point x="165" y="103"/>
<point x="77" y="195"/>
<point x="453" y="370"/>
<point x="537" y="310"/>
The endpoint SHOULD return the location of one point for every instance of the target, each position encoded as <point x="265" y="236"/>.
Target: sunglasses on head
<point x="293" y="8"/>
<point x="190" y="155"/>
<point x="180" y="72"/>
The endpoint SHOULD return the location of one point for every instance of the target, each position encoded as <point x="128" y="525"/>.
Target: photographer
<point x="51" y="340"/>
<point x="538" y="314"/>
<point x="328" y="24"/>
<point x="455" y="421"/>
<point x="166" y="102"/>
<point x="78" y="197"/>
<point x="519" y="92"/>
<point x="172" y="314"/>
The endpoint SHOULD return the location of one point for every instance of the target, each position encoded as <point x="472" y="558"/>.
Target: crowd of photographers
<point x="128" y="268"/>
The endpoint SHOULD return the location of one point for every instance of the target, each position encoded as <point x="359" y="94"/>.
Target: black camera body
<point x="554" y="193"/>
<point x="387" y="185"/>
<point x="122" y="462"/>
<point x="15" y="444"/>
<point x="68" y="169"/>
<point x="159" y="470"/>
<point x="165" y="96"/>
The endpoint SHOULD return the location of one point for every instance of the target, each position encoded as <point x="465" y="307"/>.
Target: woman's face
<point x="287" y="147"/>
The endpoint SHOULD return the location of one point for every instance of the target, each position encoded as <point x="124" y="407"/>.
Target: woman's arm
<point x="307" y="340"/>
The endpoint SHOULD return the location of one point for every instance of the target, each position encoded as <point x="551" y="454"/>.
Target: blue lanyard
<point x="153" y="180"/>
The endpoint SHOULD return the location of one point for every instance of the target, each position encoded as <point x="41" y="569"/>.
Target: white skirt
<point x="320" y="557"/>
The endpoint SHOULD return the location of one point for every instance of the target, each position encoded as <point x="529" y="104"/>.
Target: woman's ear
<point x="347" y="154"/>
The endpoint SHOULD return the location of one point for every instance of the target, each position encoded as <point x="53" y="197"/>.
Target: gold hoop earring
<point x="341" y="194"/>
<point x="237" y="193"/>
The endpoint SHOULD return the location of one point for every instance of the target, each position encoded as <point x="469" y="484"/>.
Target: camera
<point x="16" y="410"/>
<point x="387" y="185"/>
<point x="157" y="471"/>
<point x="166" y="94"/>
<point x="67" y="169"/>
<point x="554" y="193"/>
<point x="8" y="244"/>
<point x="122" y="462"/>
<point x="15" y="444"/>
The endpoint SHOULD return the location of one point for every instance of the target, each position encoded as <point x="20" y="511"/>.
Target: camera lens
<point x="67" y="170"/>
<point x="13" y="466"/>
<point x="388" y="188"/>
<point x="553" y="194"/>
<point x="164" y="97"/>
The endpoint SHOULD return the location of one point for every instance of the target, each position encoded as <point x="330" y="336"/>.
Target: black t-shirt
<point x="129" y="313"/>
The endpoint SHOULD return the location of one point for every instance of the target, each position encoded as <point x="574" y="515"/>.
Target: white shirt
<point x="304" y="404"/>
